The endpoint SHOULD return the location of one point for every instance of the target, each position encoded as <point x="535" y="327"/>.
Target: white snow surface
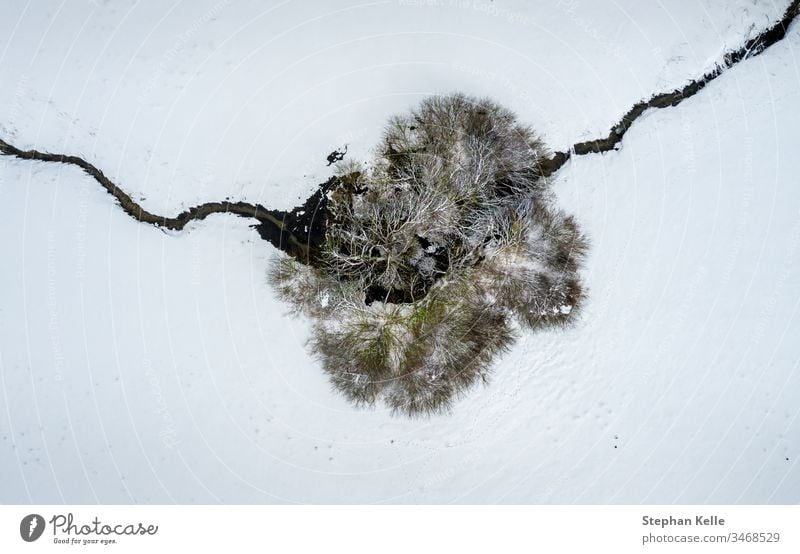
<point x="151" y="367"/>
<point x="184" y="102"/>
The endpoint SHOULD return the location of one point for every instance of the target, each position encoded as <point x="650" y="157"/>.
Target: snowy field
<point x="138" y="366"/>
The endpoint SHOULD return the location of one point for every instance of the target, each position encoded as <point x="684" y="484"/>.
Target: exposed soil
<point x="752" y="47"/>
<point x="299" y="232"/>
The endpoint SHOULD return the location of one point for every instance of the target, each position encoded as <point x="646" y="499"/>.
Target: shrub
<point x="431" y="253"/>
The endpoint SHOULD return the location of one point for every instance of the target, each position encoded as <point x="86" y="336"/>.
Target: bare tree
<point x="432" y="253"/>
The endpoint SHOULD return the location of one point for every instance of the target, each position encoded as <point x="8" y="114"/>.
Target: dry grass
<point x="432" y="253"/>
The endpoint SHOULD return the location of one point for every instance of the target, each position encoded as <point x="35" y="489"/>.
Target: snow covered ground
<point x="184" y="102"/>
<point x="141" y="366"/>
